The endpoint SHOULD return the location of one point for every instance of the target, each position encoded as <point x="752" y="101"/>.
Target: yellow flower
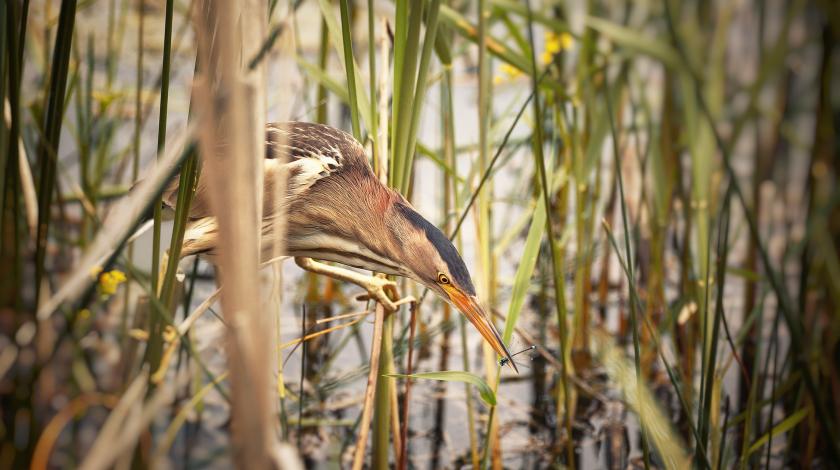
<point x="554" y="43"/>
<point x="546" y="57"/>
<point x="566" y="41"/>
<point x="108" y="282"/>
<point x="84" y="314"/>
<point x="510" y="72"/>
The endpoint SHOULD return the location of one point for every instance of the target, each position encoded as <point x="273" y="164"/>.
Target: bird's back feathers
<point x="302" y="152"/>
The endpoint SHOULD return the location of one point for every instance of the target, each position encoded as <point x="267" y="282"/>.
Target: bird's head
<point x="428" y="257"/>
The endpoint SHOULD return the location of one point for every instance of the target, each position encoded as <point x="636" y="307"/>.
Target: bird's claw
<point x="378" y="288"/>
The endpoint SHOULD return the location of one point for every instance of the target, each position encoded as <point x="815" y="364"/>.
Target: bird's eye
<point x="442" y="279"/>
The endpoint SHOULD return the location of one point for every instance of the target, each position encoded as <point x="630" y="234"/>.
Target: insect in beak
<point x="475" y="313"/>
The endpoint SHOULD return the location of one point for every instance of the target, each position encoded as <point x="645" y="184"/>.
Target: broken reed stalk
<point x="373" y="374"/>
<point x="228" y="108"/>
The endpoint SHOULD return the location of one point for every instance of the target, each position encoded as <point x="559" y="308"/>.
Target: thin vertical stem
<point x="370" y="391"/>
<point x="403" y="463"/>
<point x="48" y="149"/>
<point x="630" y="263"/>
<point x="323" y="55"/>
<point x="350" y="68"/>
<point x="557" y="269"/>
<point x="382" y="409"/>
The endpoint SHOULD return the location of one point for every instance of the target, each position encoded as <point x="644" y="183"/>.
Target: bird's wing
<point x="310" y="152"/>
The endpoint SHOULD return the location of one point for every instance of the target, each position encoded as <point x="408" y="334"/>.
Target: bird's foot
<point x="383" y="290"/>
<point x="378" y="287"/>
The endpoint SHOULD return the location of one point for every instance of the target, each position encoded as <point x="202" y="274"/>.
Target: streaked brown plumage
<point x="337" y="210"/>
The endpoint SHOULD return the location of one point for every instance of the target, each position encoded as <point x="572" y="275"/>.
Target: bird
<point x="337" y="210"/>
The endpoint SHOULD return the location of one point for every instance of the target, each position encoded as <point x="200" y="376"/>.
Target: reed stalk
<point x="557" y="270"/>
<point x="236" y="205"/>
<point x="48" y="148"/>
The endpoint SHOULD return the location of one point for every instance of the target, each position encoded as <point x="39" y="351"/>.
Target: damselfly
<point x="503" y="361"/>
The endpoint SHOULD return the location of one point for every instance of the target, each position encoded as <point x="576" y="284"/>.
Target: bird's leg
<point x="377" y="288"/>
<point x="164" y="265"/>
<point x="164" y="262"/>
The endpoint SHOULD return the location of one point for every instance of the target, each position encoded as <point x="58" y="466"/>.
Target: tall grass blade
<point x="155" y="346"/>
<point x="48" y="147"/>
<point x="631" y="279"/>
<point x="350" y="69"/>
<point x="484" y="391"/>
<point x="557" y="269"/>
<point x="786" y="425"/>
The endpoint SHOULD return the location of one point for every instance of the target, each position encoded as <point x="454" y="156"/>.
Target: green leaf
<point x="519" y="8"/>
<point x="779" y="429"/>
<point x="747" y="274"/>
<point x="334" y="86"/>
<point x="335" y="33"/>
<point x="526" y="268"/>
<point x="633" y="40"/>
<point x="455" y="20"/>
<point x="431" y="155"/>
<point x="484" y="390"/>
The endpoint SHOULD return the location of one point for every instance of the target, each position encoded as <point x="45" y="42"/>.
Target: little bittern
<point x="337" y="210"/>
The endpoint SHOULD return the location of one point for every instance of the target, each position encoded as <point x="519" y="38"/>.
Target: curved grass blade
<point x="484" y="390"/>
<point x="789" y="423"/>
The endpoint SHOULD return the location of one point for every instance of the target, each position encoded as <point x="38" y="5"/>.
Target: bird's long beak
<point x="469" y="306"/>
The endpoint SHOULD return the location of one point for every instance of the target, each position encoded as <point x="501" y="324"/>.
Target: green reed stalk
<point x="161" y="136"/>
<point x="10" y="207"/>
<point x="484" y="223"/>
<point x="420" y="86"/>
<point x="350" y="68"/>
<point x="406" y="77"/>
<point x="382" y="401"/>
<point x="557" y="269"/>
<point x="707" y="415"/>
<point x="406" y="45"/>
<point x="4" y="25"/>
<point x="323" y="55"/>
<point x="48" y="148"/>
<point x="374" y="110"/>
<point x="450" y="185"/>
<point x="186" y="190"/>
<point x="155" y="345"/>
<point x="630" y="262"/>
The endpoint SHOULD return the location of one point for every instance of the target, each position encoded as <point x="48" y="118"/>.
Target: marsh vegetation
<point x="645" y="193"/>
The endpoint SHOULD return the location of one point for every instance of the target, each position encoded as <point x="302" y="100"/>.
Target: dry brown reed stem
<point x="116" y="228"/>
<point x="232" y="146"/>
<point x="403" y="454"/>
<point x="373" y="374"/>
<point x="121" y="431"/>
<point x="393" y="401"/>
<point x="46" y="442"/>
<point x="318" y="333"/>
